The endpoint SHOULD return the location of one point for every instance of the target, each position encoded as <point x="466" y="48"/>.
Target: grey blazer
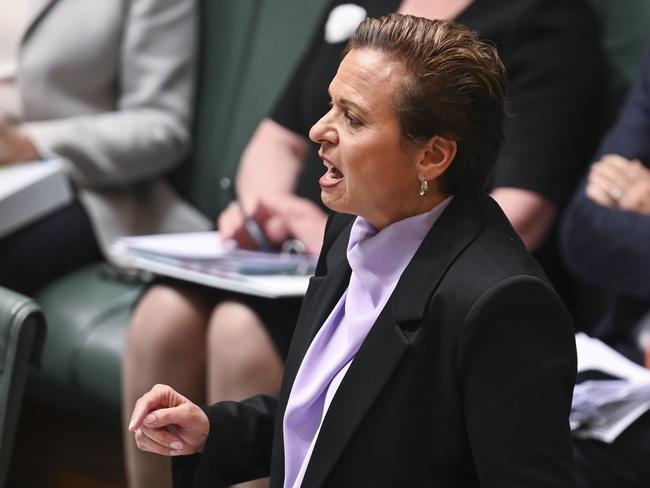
<point x="107" y="87"/>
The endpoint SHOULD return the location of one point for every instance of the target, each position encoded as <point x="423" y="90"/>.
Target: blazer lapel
<point x="395" y="329"/>
<point x="36" y="12"/>
<point x="323" y="293"/>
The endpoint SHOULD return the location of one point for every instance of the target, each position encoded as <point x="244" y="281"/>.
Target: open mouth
<point x="332" y="173"/>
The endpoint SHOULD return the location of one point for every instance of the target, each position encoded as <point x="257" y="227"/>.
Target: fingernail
<point x="176" y="445"/>
<point x="175" y="453"/>
<point x="149" y="419"/>
<point x="131" y="425"/>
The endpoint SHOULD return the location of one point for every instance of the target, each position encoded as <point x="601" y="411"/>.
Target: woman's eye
<point x="352" y="121"/>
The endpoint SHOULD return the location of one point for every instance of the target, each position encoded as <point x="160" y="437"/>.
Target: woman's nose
<point x="322" y="131"/>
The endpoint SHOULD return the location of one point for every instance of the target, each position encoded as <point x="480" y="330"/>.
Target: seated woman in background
<point x="228" y="347"/>
<point x="606" y="240"/>
<point x="400" y="372"/>
<point x="107" y="89"/>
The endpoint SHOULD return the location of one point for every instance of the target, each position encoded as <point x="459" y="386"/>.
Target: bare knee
<point x="167" y="322"/>
<point x="237" y="332"/>
<point x="241" y="355"/>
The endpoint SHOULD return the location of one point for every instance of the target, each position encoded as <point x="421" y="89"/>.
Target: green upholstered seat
<point x="626" y="38"/>
<point x="88" y="314"/>
<point x="22" y="328"/>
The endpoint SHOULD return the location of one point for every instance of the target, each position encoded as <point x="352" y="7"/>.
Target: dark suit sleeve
<point x="517" y="365"/>
<point x="630" y="136"/>
<point x="607" y="246"/>
<point x="555" y="87"/>
<point x="238" y="448"/>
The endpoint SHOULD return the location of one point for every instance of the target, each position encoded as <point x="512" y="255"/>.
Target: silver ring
<point x="616" y="193"/>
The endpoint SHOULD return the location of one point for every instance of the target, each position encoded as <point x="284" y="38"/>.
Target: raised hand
<point x="167" y="423"/>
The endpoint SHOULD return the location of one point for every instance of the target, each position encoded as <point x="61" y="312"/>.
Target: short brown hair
<point x="455" y="88"/>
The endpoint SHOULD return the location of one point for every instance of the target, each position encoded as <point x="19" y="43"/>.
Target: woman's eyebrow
<point x="344" y="102"/>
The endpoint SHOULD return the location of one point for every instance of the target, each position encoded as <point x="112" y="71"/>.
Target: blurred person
<point x="400" y="372"/>
<point x="606" y="236"/>
<point x="107" y="89"/>
<point x="232" y="346"/>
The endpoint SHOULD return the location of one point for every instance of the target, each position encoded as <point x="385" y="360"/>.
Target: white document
<point x="188" y="245"/>
<point x="29" y="191"/>
<point x="593" y="354"/>
<point x="602" y="409"/>
<point x="201" y="257"/>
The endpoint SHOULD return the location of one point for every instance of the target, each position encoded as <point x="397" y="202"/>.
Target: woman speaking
<point x="430" y="349"/>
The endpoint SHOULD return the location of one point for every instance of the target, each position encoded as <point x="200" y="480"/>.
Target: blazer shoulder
<point x="496" y="256"/>
<point x="499" y="246"/>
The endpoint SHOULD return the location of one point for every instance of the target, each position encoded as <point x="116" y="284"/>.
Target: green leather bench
<point x="22" y="328"/>
<point x="247" y="50"/>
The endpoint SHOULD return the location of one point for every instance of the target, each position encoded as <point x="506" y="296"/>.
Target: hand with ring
<point x="616" y="193"/>
<point x="617" y="182"/>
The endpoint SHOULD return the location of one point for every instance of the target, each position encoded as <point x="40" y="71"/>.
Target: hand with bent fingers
<point x="281" y="217"/>
<point x="637" y="197"/>
<point x="617" y="182"/>
<point x="296" y="217"/>
<point x="167" y="423"/>
<point x="232" y="225"/>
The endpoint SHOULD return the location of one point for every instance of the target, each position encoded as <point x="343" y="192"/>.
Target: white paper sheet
<point x="29" y="191"/>
<point x="190" y="245"/>
<point x="603" y="409"/>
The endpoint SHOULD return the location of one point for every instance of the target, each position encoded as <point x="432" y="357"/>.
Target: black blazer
<point x="465" y="379"/>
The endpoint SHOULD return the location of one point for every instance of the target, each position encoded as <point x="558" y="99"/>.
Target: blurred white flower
<point x="342" y="22"/>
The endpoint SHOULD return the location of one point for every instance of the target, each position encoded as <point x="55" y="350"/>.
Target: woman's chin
<point x="333" y="202"/>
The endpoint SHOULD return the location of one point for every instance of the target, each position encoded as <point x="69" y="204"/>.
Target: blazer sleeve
<point x="556" y="84"/>
<point x="238" y="448"/>
<point x="607" y="246"/>
<point x="517" y="364"/>
<point x="630" y="137"/>
<point x="147" y="132"/>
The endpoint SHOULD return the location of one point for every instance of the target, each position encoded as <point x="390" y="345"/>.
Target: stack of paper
<point x="603" y="408"/>
<point x="202" y="257"/>
<point x="29" y="191"/>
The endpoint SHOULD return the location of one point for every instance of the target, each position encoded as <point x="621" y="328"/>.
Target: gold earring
<point x="424" y="186"/>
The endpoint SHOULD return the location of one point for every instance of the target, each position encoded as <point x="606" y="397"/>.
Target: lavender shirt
<point x="377" y="259"/>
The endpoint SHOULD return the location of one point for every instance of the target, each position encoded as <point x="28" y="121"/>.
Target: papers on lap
<point x="29" y="191"/>
<point x="201" y="257"/>
<point x="612" y="391"/>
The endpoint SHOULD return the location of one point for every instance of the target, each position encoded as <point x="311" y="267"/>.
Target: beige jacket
<point x="108" y="86"/>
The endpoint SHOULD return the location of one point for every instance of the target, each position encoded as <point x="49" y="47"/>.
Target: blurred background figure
<point x="229" y="347"/>
<point x="606" y="241"/>
<point x="107" y="88"/>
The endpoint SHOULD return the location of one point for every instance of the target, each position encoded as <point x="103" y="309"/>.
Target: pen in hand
<point x="252" y="226"/>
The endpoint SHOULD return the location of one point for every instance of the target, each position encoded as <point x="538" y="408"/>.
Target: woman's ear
<point x="439" y="152"/>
